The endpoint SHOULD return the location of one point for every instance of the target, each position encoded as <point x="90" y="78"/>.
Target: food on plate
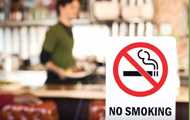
<point x="81" y="70"/>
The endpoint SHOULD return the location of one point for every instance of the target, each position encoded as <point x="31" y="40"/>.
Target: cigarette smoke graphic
<point x="145" y="57"/>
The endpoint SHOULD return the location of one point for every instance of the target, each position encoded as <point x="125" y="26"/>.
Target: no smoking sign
<point x="140" y="71"/>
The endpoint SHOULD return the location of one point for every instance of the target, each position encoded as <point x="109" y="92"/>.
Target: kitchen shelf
<point x="39" y="22"/>
<point x="27" y="23"/>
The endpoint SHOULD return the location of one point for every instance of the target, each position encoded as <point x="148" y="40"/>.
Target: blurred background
<point x="24" y="23"/>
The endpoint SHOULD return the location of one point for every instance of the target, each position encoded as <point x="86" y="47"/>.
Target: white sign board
<point x="141" y="78"/>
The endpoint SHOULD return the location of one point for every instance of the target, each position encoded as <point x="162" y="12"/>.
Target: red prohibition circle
<point x="122" y="54"/>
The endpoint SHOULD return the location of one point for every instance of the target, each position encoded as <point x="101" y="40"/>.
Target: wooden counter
<point x="92" y="91"/>
<point x="89" y="92"/>
<point x="76" y="92"/>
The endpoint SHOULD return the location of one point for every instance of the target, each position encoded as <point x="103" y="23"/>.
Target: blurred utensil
<point x="24" y="50"/>
<point x="123" y="29"/>
<point x="146" y="9"/>
<point x="2" y="40"/>
<point x="111" y="10"/>
<point x="129" y="10"/>
<point x="132" y="29"/>
<point x="115" y="29"/>
<point x="149" y="29"/>
<point x="15" y="40"/>
<point x="140" y="29"/>
<point x="8" y="47"/>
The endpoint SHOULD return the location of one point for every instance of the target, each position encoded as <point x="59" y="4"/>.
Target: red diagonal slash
<point x="141" y="70"/>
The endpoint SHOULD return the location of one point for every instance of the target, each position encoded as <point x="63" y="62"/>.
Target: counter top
<point x="91" y="92"/>
<point x="80" y="91"/>
<point x="77" y="91"/>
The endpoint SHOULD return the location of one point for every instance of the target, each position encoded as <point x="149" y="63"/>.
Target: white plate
<point x="88" y="70"/>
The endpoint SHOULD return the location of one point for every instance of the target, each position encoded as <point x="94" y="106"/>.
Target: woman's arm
<point x="45" y="58"/>
<point x="51" y="66"/>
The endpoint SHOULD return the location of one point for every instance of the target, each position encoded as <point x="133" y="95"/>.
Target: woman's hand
<point x="61" y="73"/>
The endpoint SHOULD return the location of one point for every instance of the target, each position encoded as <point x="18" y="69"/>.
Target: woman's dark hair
<point x="62" y="3"/>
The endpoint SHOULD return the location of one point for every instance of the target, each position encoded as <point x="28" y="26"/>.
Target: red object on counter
<point x="44" y="111"/>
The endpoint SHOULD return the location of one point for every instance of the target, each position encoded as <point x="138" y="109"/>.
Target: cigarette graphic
<point x="136" y="73"/>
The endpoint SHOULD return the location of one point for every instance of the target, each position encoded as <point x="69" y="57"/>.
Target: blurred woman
<point x="57" y="49"/>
